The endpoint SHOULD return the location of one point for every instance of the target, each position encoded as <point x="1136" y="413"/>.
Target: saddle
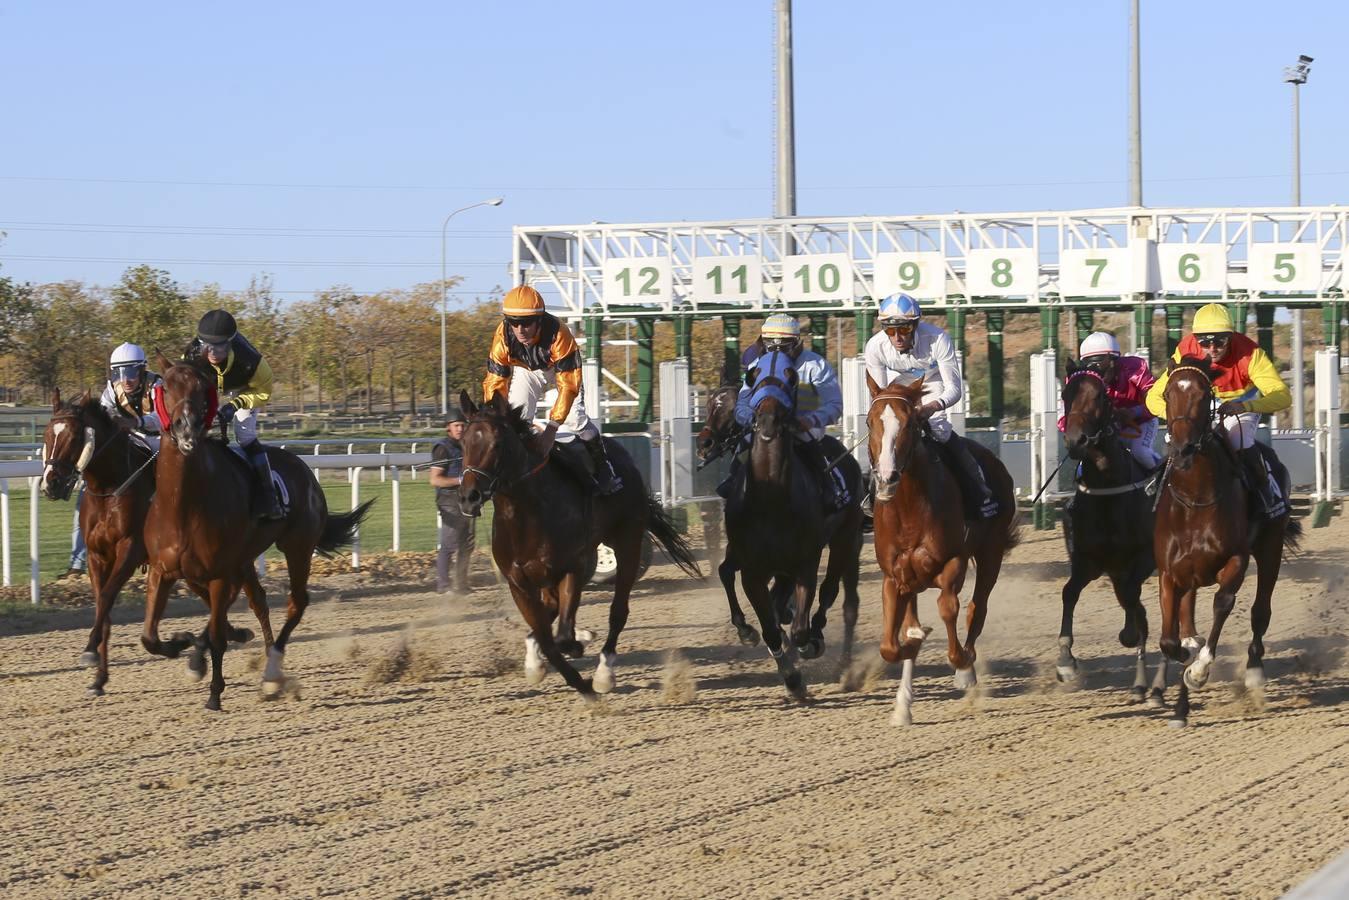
<point x="969" y="491"/>
<point x="256" y="500"/>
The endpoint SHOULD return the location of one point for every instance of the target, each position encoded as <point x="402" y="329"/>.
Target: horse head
<point x="1088" y="419"/>
<point x="720" y="428"/>
<point x="68" y="443"/>
<point x="495" y="444"/>
<point x="188" y="403"/>
<point x="1189" y="408"/>
<point x="894" y="431"/>
<point x="772" y="396"/>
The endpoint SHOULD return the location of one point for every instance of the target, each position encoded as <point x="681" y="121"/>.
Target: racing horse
<point x="922" y="539"/>
<point x="1208" y="530"/>
<point x="777" y="528"/>
<point x="721" y="435"/>
<point x="200" y="526"/>
<point x="545" y="531"/>
<point x="81" y="439"/>
<point x="1108" y="527"/>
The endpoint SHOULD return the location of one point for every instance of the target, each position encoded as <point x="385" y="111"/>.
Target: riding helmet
<point x="217" y="327"/>
<point x="899" y="308"/>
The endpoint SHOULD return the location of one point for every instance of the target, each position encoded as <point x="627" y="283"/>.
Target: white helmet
<point x="127" y="363"/>
<point x="1099" y="343"/>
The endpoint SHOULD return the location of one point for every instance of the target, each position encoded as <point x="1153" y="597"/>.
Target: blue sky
<point x="324" y="144"/>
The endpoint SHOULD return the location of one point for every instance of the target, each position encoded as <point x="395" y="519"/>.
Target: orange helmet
<point x="522" y="301"/>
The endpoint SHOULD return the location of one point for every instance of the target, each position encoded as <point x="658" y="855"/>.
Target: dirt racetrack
<point x="694" y="778"/>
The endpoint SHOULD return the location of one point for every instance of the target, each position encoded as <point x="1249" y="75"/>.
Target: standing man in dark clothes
<point x="456" y="529"/>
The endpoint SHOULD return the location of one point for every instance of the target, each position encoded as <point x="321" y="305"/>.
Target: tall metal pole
<point x="784" y="197"/>
<point x="1135" y="113"/>
<point x="1296" y="75"/>
<point x="444" y="290"/>
<point x="1297" y="149"/>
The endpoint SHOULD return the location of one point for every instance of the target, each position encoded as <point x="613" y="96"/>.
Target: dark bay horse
<point x="777" y="529"/>
<point x="1207" y="532"/>
<point x="922" y="539"/>
<point x="1107" y="527"/>
<point x="81" y="439"/>
<point x="546" y="527"/>
<point x="200" y="526"/>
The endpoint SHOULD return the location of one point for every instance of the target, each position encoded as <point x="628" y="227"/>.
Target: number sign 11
<point x="727" y="278"/>
<point x="816" y="276"/>
<point x="919" y="274"/>
<point x="636" y="280"/>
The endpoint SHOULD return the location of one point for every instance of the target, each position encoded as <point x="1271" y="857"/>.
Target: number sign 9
<point x="922" y="275"/>
<point x="1096" y="272"/>
<point x="1001" y="272"/>
<point x="816" y="276"/>
<point x="727" y="278"/>
<point x="1192" y="267"/>
<point x="1284" y="267"/>
<point x="636" y="280"/>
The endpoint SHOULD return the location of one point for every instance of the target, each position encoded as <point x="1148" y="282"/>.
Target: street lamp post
<point x="444" y="369"/>
<point x="1296" y="75"/>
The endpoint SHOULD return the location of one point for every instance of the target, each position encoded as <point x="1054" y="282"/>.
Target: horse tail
<point x="662" y="530"/>
<point x="340" y="531"/>
<point x="1292" y="535"/>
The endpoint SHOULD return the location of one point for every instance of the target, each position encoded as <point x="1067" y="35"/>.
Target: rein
<point x="1191" y="448"/>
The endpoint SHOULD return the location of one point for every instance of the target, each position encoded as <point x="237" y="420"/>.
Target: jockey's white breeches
<point x="529" y="387"/>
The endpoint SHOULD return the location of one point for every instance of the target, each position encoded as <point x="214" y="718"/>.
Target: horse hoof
<point x="965" y="679"/>
<point x="1195" y="680"/>
<point x="1255" y="677"/>
<point x="272" y="689"/>
<point x="1193" y="642"/>
<point x="796" y="686"/>
<point x="196" y="664"/>
<point x="1156" y="701"/>
<point x="213" y="704"/>
<point x="89" y="659"/>
<point x="574" y="649"/>
<point x="1066" y="674"/>
<point x="812" y="649"/>
<point x="1176" y="723"/>
<point x="93" y="692"/>
<point x="584" y="635"/>
<point x="1128" y="637"/>
<point x="748" y="636"/>
<point x="1137" y="694"/>
<point x="901" y="717"/>
<point x="603" y="682"/>
<point x="241" y="636"/>
<point x="534" y="674"/>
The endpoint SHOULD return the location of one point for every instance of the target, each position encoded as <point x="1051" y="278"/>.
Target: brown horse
<point x="1208" y="529"/>
<point x="1107" y="527"/>
<point x="81" y="439"/>
<point x="922" y="539"/>
<point x="200" y="526"/>
<point x="547" y="526"/>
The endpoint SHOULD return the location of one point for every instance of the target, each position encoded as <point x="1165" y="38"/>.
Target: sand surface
<point x="695" y="777"/>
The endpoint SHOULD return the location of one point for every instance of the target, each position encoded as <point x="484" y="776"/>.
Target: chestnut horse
<point x="545" y="531"/>
<point x="1208" y="529"/>
<point x="81" y="439"/>
<point x="777" y="529"/>
<point x="922" y="539"/>
<point x="200" y="526"/>
<point x="1107" y="526"/>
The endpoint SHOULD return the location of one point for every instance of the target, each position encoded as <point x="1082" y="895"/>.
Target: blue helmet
<point x="899" y="308"/>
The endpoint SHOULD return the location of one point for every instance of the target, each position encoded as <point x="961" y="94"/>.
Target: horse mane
<point x="501" y="412"/>
<point x="88" y="406"/>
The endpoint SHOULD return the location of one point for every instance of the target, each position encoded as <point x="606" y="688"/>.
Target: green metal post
<point x="730" y="335"/>
<point x="996" y="320"/>
<point x="1049" y="327"/>
<point x="955" y="325"/>
<point x="1264" y="328"/>
<point x="1085" y="322"/>
<point x="594" y="324"/>
<point x="819" y="334"/>
<point x="683" y="333"/>
<point x="1330" y="319"/>
<point x="1143" y="325"/>
<point x="865" y="320"/>
<point x="646" y="347"/>
<point x="1238" y="312"/>
<point x="1175" y="328"/>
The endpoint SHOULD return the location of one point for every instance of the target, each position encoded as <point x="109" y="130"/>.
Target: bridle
<point x="1106" y="422"/>
<point x="1193" y="447"/>
<point x="495" y="481"/>
<point x="900" y="465"/>
<point x="774" y="386"/>
<point x="730" y="437"/>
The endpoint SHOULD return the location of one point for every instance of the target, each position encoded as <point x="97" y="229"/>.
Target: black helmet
<point x="455" y="415"/>
<point x="217" y="327"/>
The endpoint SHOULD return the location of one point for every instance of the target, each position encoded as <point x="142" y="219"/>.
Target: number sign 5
<point x="1284" y="267"/>
<point x="637" y="280"/>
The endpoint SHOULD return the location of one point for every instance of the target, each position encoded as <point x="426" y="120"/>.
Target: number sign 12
<point x="636" y="280"/>
<point x="727" y="278"/>
<point x="919" y="274"/>
<point x="816" y="276"/>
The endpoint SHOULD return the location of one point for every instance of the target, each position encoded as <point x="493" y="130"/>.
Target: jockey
<point x="1245" y="385"/>
<point x="819" y="399"/>
<point x="245" y="378"/>
<point x="126" y="397"/>
<point x="533" y="351"/>
<point x="1127" y="380"/>
<point x="905" y="350"/>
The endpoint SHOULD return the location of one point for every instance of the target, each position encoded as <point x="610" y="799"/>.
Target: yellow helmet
<point x="1212" y="319"/>
<point x="522" y="301"/>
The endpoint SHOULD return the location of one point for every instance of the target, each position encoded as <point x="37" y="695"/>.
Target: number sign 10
<point x="727" y="278"/>
<point x="636" y="280"/>
<point x="816" y="276"/>
<point x="919" y="274"/>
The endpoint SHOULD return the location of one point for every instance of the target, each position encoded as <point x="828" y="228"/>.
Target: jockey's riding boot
<point x="835" y="495"/>
<point x="973" y="478"/>
<point x="1261" y="482"/>
<point x="727" y="486"/>
<point x="606" y="479"/>
<point x="262" y="468"/>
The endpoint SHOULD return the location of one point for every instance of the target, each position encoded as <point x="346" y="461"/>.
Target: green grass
<point x="416" y="498"/>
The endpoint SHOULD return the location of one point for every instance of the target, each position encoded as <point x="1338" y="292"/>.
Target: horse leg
<point x="89" y="658"/>
<point x="1268" y="561"/>
<point x="784" y="655"/>
<point x="827" y="594"/>
<point x="948" y="607"/>
<point x="726" y="572"/>
<point x="1189" y="635"/>
<point x="1169" y="641"/>
<point x="807" y="643"/>
<point x="988" y="564"/>
<point x="851" y="599"/>
<point x="257" y="601"/>
<point x="1129" y="593"/>
<point x="568" y="597"/>
<point x="539" y="618"/>
<point x="1066" y="667"/>
<point x="628" y="559"/>
<point x="298" y="560"/>
<point x="157" y="589"/>
<point x="1229" y="582"/>
<point x="223" y="592"/>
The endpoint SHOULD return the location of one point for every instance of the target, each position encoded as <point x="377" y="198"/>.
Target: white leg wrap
<point x="603" y="681"/>
<point x="1255" y="677"/>
<point x="965" y="679"/>
<point x="535" y="666"/>
<point x="273" y="676"/>
<point x="904" y="697"/>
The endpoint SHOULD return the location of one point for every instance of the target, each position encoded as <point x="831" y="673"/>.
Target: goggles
<point x="781" y="344"/>
<point x="893" y="328"/>
<point x="522" y="321"/>
<point x="1213" y="340"/>
<point x="221" y="349"/>
<point x="128" y="373"/>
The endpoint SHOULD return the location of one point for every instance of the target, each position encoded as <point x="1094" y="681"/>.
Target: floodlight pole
<point x="1135" y="113"/>
<point x="1296" y="75"/>
<point x="444" y="371"/>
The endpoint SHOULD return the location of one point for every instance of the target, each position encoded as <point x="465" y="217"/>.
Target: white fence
<point x="391" y="466"/>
